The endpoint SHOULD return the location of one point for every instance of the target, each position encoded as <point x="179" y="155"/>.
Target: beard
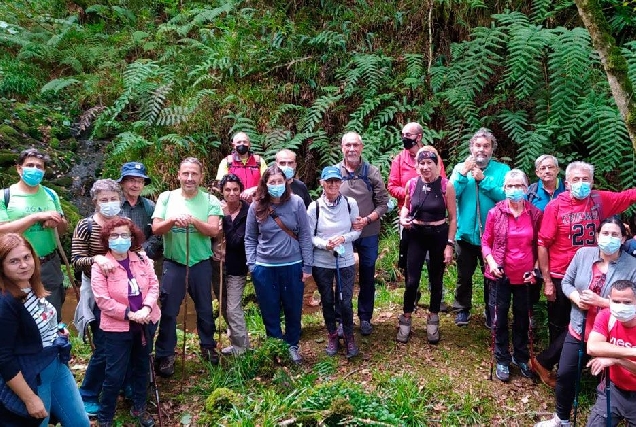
<point x="482" y="160"/>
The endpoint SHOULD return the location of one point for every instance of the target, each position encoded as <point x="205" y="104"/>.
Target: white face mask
<point x="623" y="312"/>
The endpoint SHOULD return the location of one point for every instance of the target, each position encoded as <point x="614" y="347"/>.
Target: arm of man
<point x="352" y="235"/>
<point x="492" y="185"/>
<point x="597" y="346"/>
<point x="22" y="224"/>
<point x="380" y="195"/>
<point x="395" y="186"/>
<point x="615" y="203"/>
<point x="210" y="227"/>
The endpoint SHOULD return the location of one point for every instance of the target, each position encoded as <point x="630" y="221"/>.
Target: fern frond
<point x="314" y="114"/>
<point x="153" y="102"/>
<point x="57" y="85"/>
<point x="128" y="142"/>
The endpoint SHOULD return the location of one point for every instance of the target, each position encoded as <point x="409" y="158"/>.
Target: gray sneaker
<point x="294" y="354"/>
<point x="366" y="327"/>
<point x="404" y="329"/>
<point x="432" y="328"/>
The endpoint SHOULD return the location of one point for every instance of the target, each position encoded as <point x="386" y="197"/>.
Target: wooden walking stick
<point x="185" y="311"/>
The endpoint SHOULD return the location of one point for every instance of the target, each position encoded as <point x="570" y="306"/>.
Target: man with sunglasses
<point x="34" y="210"/>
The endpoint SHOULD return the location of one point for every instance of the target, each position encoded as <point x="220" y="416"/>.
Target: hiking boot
<point x="352" y="348"/>
<point x="332" y="344"/>
<point x="91" y="408"/>
<point x="210" y="355"/>
<point x="227" y="351"/>
<point x="340" y="331"/>
<point x="294" y="354"/>
<point x="404" y="329"/>
<point x="502" y="372"/>
<point x="462" y="318"/>
<point x="545" y="375"/>
<point x="432" y="328"/>
<point x="164" y="367"/>
<point x="366" y="327"/>
<point x="555" y="421"/>
<point x="143" y="418"/>
<point x="526" y="371"/>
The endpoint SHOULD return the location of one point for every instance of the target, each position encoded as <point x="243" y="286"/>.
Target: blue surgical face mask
<point x="609" y="244"/>
<point x="515" y="194"/>
<point x="288" y="171"/>
<point x="580" y="190"/>
<point x="32" y="176"/>
<point x="110" y="209"/>
<point x="276" y="190"/>
<point x="119" y="245"/>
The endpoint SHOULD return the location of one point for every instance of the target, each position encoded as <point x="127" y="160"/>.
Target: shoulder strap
<point x="348" y="205"/>
<point x="317" y="216"/>
<point x="282" y="225"/>
<point x="228" y="160"/>
<point x="52" y="196"/>
<point x="147" y="208"/>
<point x="89" y="226"/>
<point x="7" y="197"/>
<point x="444" y="185"/>
<point x="532" y="191"/>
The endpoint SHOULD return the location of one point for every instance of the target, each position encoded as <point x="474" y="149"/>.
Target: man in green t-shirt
<point x="191" y="209"/>
<point x="35" y="211"/>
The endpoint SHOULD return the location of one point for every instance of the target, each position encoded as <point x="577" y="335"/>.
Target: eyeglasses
<point x="409" y="135"/>
<point x="516" y="186"/>
<point x="134" y="180"/>
<point x="115" y="236"/>
<point x="545" y="168"/>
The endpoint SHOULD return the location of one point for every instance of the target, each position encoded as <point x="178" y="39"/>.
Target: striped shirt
<point x="44" y="315"/>
<point x="85" y="246"/>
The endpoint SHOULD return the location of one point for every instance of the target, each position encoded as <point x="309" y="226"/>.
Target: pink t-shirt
<point x="620" y="336"/>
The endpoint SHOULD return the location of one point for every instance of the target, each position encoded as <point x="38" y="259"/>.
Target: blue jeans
<point x="367" y="248"/>
<point x="172" y="295"/>
<point x="276" y="286"/>
<point x="94" y="376"/>
<point x="124" y="349"/>
<point x="60" y="396"/>
<point x="330" y="299"/>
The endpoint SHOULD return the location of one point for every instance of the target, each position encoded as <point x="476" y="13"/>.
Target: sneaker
<point x="210" y="355"/>
<point x="164" y="367"/>
<point x="294" y="353"/>
<point x="555" y="421"/>
<point x="227" y="351"/>
<point x="91" y="408"/>
<point x="352" y="348"/>
<point x="526" y="370"/>
<point x="432" y="328"/>
<point x="332" y="344"/>
<point x="404" y="329"/>
<point x="545" y="375"/>
<point x="502" y="372"/>
<point x="366" y="327"/>
<point x="462" y="318"/>
<point x="443" y="307"/>
<point x="340" y="330"/>
<point x="143" y="418"/>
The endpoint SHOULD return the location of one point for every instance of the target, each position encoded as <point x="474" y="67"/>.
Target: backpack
<point x="363" y="176"/>
<point x="318" y="213"/>
<point x="532" y="192"/>
<point x="51" y="194"/>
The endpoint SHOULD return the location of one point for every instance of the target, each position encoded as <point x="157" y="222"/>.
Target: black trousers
<point x="468" y="256"/>
<point x="558" y="320"/>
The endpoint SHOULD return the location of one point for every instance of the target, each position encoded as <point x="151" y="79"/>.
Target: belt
<point x="47" y="258"/>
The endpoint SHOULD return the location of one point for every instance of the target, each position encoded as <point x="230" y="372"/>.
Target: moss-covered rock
<point x="8" y="134"/>
<point x="221" y="400"/>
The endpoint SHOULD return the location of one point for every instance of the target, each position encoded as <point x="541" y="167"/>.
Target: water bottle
<point x="392" y="204"/>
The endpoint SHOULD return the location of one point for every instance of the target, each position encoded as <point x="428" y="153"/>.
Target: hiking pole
<point x="146" y="338"/>
<point x="577" y="383"/>
<point x="608" y="418"/>
<point x="220" y="298"/>
<point x="530" y="312"/>
<point x="493" y="326"/>
<point x="185" y="308"/>
<point x="71" y="279"/>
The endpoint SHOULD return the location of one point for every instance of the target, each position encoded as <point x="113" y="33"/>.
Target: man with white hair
<point x="570" y="222"/>
<point x="549" y="185"/>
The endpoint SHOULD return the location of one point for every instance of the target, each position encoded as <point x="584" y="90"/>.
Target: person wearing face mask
<point x="243" y="163"/>
<point x="127" y="298"/>
<point x="88" y="250"/>
<point x="187" y="218"/>
<point x="587" y="283"/>
<point x="509" y="247"/>
<point x="571" y="221"/>
<point x="612" y="344"/>
<point x="478" y="183"/>
<point x="286" y="161"/>
<point x="30" y="208"/>
<point x="280" y="255"/>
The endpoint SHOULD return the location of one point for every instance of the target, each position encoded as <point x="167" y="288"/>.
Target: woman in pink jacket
<point x="509" y="246"/>
<point x="127" y="298"/>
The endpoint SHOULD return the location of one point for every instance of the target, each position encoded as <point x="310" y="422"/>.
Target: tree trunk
<point x="613" y="61"/>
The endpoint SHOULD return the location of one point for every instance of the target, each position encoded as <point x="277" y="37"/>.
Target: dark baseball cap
<point x="134" y="169"/>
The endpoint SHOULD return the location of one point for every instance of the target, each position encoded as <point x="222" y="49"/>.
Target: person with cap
<point x="139" y="209"/>
<point x="286" y="160"/>
<point x="243" y="163"/>
<point x="331" y="217"/>
<point x="363" y="182"/>
<point x="31" y="209"/>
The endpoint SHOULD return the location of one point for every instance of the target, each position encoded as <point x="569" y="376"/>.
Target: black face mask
<point x="408" y="142"/>
<point x="242" y="149"/>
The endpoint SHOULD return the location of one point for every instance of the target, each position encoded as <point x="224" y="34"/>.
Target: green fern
<point x="128" y="142"/>
<point x="57" y="85"/>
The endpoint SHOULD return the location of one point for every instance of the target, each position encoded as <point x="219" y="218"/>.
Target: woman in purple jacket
<point x="509" y="246"/>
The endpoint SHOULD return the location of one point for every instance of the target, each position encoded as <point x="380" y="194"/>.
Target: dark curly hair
<point x="230" y="177"/>
<point x="137" y="237"/>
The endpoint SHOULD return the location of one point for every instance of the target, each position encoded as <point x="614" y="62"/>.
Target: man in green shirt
<point x="187" y="208"/>
<point x="35" y="211"/>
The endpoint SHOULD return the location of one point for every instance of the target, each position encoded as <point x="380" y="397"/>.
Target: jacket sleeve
<point x="304" y="236"/>
<point x="318" y="241"/>
<point x="487" y="239"/>
<point x="568" y="283"/>
<point x="9" y="321"/>
<point x="380" y="195"/>
<point x="395" y="187"/>
<point x="458" y="180"/>
<point x="251" y="237"/>
<point x="108" y="306"/>
<point x="548" y="228"/>
<point x="616" y="203"/>
<point x="492" y="186"/>
<point x="352" y="235"/>
<point x="152" y="296"/>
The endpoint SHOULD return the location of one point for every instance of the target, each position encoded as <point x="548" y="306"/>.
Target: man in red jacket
<point x="570" y="222"/>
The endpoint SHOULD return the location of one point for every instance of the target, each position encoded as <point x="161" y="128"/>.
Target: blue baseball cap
<point x="331" y="172"/>
<point x="134" y="169"/>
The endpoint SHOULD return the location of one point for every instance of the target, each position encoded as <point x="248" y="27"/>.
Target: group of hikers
<point x="559" y="237"/>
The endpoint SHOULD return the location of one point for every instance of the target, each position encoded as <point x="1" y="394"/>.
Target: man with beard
<point x="243" y="163"/>
<point x="478" y="183"/>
